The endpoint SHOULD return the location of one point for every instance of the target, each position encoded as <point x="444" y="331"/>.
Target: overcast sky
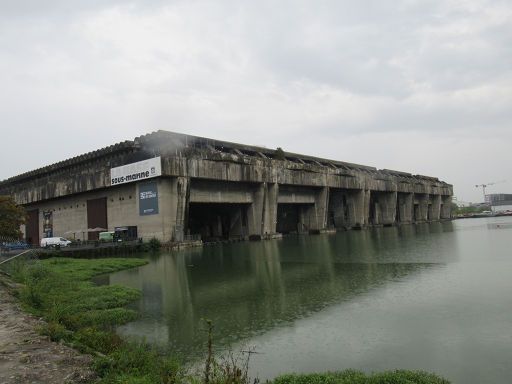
<point x="419" y="86"/>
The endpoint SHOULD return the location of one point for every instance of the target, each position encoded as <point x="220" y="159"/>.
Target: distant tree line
<point x="458" y="210"/>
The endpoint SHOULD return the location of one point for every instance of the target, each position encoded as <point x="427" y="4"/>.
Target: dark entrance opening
<point x="295" y="218"/>
<point x="96" y="216"/>
<point x="288" y="218"/>
<point x="32" y="227"/>
<point x="218" y="221"/>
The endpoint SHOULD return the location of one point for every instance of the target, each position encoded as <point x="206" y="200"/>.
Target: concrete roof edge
<point x="121" y="146"/>
<point x="249" y="148"/>
<point x="156" y="137"/>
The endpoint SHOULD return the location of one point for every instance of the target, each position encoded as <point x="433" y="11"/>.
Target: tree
<point x="11" y="217"/>
<point x="279" y="154"/>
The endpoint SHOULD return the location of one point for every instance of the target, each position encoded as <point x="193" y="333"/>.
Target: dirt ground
<point x="26" y="356"/>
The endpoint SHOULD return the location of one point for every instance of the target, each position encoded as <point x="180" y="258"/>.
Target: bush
<point x="279" y="154"/>
<point x="356" y="377"/>
<point x="55" y="331"/>
<point x="154" y="244"/>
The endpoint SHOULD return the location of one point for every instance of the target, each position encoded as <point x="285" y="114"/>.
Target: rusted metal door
<point x="96" y="216"/>
<point x="32" y="227"/>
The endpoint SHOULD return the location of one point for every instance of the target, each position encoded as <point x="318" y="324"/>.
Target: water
<point x="435" y="297"/>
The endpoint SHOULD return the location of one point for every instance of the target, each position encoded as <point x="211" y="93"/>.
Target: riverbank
<point x="29" y="357"/>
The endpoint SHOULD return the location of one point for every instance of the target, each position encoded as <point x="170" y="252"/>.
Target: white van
<point x="54" y="241"/>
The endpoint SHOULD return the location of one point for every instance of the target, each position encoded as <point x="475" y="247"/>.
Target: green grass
<point x="60" y="290"/>
<point x="84" y="315"/>
<point x="356" y="377"/>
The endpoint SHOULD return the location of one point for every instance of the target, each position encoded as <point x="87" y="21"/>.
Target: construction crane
<point x="487" y="185"/>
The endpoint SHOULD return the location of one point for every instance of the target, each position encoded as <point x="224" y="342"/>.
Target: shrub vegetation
<point x="356" y="377"/>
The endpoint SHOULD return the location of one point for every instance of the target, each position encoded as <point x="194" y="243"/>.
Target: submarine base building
<point x="176" y="187"/>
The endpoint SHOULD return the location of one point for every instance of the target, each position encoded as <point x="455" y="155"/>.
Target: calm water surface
<point x="436" y="297"/>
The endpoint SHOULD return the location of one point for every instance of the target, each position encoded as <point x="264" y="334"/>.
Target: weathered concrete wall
<point x="70" y="213"/>
<point x="329" y="193"/>
<point x="206" y="191"/>
<point x="224" y="167"/>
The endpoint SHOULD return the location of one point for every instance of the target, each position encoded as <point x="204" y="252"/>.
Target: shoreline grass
<point x="85" y="315"/>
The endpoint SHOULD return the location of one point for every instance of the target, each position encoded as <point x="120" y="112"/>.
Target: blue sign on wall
<point x="148" y="199"/>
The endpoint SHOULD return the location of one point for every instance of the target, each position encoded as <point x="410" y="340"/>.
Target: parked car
<point x="54" y="242"/>
<point x="106" y="236"/>
<point x="125" y="233"/>
<point x="9" y="246"/>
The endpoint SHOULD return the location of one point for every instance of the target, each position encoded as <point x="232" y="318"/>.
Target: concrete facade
<point x="220" y="189"/>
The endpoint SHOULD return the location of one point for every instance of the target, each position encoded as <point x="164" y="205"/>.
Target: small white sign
<point x="141" y="170"/>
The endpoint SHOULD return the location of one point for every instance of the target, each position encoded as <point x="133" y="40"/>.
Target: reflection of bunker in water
<point x="247" y="289"/>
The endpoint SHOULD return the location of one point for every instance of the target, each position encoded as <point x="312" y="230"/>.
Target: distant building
<point x="500" y="202"/>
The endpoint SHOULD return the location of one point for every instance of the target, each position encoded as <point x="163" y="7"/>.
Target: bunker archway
<point x="217" y="221"/>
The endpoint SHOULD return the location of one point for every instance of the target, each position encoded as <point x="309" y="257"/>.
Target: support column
<point x="422" y="200"/>
<point x="262" y="214"/>
<point x="256" y="211"/>
<point x="236" y="225"/>
<point x="182" y="202"/>
<point x="318" y="215"/>
<point x="359" y="208"/>
<point x="436" y="207"/>
<point x="446" y="207"/>
<point x="387" y="203"/>
<point x="405" y="207"/>
<point x="270" y="209"/>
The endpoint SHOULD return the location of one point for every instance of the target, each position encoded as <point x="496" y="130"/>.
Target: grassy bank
<point x="84" y="315"/>
<point x="357" y="377"/>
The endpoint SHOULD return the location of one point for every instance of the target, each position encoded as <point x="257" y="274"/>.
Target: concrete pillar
<point x="262" y="213"/>
<point x="387" y="204"/>
<point x="318" y="215"/>
<point x="236" y="227"/>
<point x="422" y="200"/>
<point x="255" y="212"/>
<point x="182" y="201"/>
<point x="306" y="216"/>
<point x="377" y="215"/>
<point x="358" y="208"/>
<point x="336" y="210"/>
<point x="270" y="209"/>
<point x="446" y="207"/>
<point x="405" y="207"/>
<point x="436" y="207"/>
<point x="366" y="207"/>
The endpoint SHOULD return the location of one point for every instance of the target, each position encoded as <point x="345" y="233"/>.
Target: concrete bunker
<point x="226" y="189"/>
